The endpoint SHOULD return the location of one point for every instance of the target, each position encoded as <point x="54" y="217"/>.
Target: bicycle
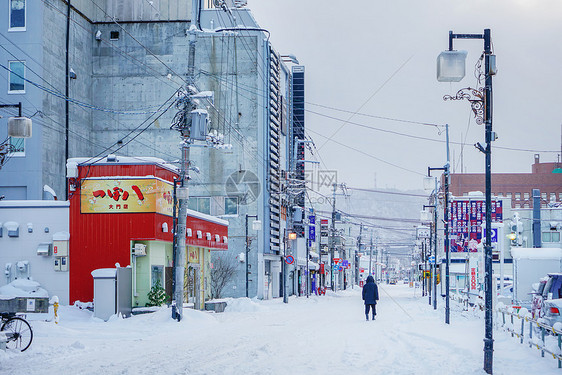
<point x="17" y="330"/>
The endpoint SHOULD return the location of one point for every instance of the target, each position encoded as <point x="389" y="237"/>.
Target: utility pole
<point x="183" y="192"/>
<point x="359" y="245"/>
<point x="333" y="239"/>
<point x="371" y="256"/>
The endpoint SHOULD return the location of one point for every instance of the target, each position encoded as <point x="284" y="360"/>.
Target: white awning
<point x="313" y="266"/>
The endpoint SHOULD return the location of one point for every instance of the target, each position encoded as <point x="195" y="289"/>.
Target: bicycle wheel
<point x="19" y="333"/>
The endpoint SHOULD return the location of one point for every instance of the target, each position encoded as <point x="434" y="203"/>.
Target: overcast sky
<point x="378" y="58"/>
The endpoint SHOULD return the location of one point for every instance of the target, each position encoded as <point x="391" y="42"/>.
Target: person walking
<point x="370" y="296"/>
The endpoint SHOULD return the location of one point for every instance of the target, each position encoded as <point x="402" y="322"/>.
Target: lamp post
<point x="18" y="127"/>
<point x="256" y="225"/>
<point x="449" y="70"/>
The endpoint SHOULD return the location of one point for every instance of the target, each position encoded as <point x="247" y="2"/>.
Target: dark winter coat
<point x="370" y="291"/>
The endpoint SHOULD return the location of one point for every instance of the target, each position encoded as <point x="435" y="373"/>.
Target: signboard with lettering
<point x="465" y="223"/>
<point x="126" y="196"/>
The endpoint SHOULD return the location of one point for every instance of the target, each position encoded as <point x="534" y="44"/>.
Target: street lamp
<point x="256" y="225"/>
<point x="18" y="127"/>
<point x="481" y="103"/>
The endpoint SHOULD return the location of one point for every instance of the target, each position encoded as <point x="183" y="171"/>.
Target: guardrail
<point x="549" y="340"/>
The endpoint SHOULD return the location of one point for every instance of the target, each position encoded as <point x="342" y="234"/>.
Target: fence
<point x="549" y="339"/>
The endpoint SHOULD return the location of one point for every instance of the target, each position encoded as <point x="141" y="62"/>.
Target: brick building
<point x="547" y="177"/>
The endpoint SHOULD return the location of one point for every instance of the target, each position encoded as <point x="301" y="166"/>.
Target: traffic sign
<point x="345" y="263"/>
<point x="289" y="259"/>
<point x="431" y="259"/>
<point x="337" y="260"/>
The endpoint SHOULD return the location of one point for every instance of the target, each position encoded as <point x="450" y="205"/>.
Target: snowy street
<point x="326" y="334"/>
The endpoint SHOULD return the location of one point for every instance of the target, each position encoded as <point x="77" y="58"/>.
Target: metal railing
<point x="548" y="338"/>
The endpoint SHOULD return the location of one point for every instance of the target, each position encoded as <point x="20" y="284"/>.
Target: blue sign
<point x="494" y="234"/>
<point x="345" y="263"/>
<point x="312" y="219"/>
<point x="431" y="259"/>
<point x="312" y="233"/>
<point x="289" y="259"/>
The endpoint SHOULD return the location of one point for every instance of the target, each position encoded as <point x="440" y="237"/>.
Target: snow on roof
<point x="206" y="217"/>
<point x="536" y="253"/>
<point x="104" y="273"/>
<point x="33" y="203"/>
<point x="61" y="236"/>
<point x="125" y="160"/>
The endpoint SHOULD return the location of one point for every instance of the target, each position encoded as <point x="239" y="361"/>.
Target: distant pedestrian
<point x="370" y="296"/>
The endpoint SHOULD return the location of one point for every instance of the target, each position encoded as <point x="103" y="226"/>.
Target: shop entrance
<point x="192" y="286"/>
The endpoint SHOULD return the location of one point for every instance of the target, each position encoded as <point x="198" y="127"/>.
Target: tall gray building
<point x="113" y="90"/>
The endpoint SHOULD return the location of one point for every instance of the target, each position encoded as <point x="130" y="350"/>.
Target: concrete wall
<point x="47" y="218"/>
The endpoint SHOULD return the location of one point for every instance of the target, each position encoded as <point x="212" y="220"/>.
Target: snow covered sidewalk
<point x="326" y="334"/>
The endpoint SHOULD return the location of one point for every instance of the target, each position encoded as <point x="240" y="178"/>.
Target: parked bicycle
<point x="17" y="330"/>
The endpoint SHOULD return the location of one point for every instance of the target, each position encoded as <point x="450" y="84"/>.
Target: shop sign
<point x="193" y="255"/>
<point x="126" y="196"/>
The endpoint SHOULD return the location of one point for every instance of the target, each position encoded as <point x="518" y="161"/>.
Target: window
<point x="526" y="195"/>
<point x="517" y="195"/>
<point x="17" y="75"/>
<point x="200" y="204"/>
<point x="553" y="197"/>
<point x="157" y="274"/>
<point x="508" y="195"/>
<point x="550" y="236"/>
<point x="114" y="35"/>
<point x="230" y="206"/>
<point x="17" y="15"/>
<point x="17" y="146"/>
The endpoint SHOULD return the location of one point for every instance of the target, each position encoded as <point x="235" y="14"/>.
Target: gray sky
<point x="378" y="58"/>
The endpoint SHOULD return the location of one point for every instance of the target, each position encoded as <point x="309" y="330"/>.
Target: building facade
<point x="113" y="90"/>
<point x="547" y="177"/>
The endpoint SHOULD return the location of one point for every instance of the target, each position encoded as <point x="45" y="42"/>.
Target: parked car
<point x="548" y="304"/>
<point x="537" y="306"/>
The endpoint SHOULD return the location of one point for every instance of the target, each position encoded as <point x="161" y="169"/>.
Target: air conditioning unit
<point x="139" y="250"/>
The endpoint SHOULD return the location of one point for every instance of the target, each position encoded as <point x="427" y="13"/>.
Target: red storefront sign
<point x="114" y="204"/>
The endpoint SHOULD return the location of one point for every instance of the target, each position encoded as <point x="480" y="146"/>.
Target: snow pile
<point x="536" y="253"/>
<point x="23" y="288"/>
<point x="242" y="305"/>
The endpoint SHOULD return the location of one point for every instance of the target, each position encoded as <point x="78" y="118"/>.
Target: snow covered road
<point x="326" y="334"/>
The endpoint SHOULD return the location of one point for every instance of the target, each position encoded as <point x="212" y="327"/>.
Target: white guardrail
<point x="519" y="323"/>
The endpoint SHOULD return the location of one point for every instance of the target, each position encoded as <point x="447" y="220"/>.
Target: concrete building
<point x="126" y="62"/>
<point x="547" y="177"/>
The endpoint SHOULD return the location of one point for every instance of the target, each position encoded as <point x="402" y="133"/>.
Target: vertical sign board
<point x="473" y="281"/>
<point x="465" y="222"/>
<point x="312" y="228"/>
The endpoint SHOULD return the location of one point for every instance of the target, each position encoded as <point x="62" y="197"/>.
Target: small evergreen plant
<point x="157" y="295"/>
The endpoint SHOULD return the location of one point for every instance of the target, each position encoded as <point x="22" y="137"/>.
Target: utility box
<point x="112" y="292"/>
<point x="529" y="266"/>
